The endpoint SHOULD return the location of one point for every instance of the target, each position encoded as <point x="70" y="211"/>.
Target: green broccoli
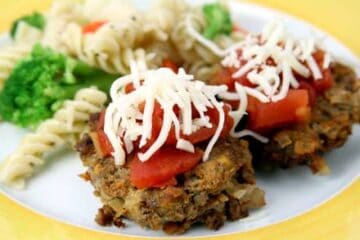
<point x="39" y="85"/>
<point x="218" y="20"/>
<point x="36" y="20"/>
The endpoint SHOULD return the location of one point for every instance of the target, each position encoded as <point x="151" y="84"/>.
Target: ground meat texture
<point x="216" y="190"/>
<point x="105" y="216"/>
<point x="85" y="146"/>
<point x="330" y="126"/>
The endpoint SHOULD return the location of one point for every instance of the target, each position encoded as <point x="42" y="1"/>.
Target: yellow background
<point x="337" y="219"/>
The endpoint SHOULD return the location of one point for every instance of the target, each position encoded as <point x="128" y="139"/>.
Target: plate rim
<point x="282" y="14"/>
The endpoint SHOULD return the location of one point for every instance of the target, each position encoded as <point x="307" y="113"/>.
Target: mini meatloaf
<point x="221" y="188"/>
<point x="331" y="123"/>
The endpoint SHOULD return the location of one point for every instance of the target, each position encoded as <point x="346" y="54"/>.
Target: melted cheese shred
<point x="251" y="58"/>
<point x="125" y="122"/>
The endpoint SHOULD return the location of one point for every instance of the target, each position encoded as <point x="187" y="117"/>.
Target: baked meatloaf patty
<point x="221" y="188"/>
<point x="330" y="126"/>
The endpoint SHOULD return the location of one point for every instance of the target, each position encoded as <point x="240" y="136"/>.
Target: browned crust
<point x="331" y="124"/>
<point x="221" y="188"/>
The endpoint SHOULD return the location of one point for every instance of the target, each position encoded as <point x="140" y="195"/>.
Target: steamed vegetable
<point x="40" y="84"/>
<point x="36" y="20"/>
<point x="218" y="20"/>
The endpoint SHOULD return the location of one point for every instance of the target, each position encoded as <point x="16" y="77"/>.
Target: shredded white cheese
<point x="288" y="56"/>
<point x="250" y="133"/>
<point x="125" y="122"/>
<point x="268" y="61"/>
<point x="327" y="60"/>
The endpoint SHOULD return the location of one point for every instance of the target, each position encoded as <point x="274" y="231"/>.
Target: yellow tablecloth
<point x="337" y="219"/>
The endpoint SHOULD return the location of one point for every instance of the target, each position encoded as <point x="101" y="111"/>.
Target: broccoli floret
<point x="39" y="85"/>
<point x="218" y="20"/>
<point x="36" y="20"/>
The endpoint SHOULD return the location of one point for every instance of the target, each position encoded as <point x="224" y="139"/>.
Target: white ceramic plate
<point x="59" y="193"/>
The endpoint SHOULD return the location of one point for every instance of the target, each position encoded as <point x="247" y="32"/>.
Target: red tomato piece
<point x="290" y="110"/>
<point x="162" y="166"/>
<point x="326" y="81"/>
<point x="168" y="183"/>
<point x="157" y="121"/>
<point x="224" y="76"/>
<point x="93" y="27"/>
<point x="240" y="30"/>
<point x="104" y="143"/>
<point x="101" y="122"/>
<point x="214" y="118"/>
<point x="129" y="88"/>
<point x="311" y="91"/>
<point x="204" y="133"/>
<point x="200" y="135"/>
<point x="168" y="63"/>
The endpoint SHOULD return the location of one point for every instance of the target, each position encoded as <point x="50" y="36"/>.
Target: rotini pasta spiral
<point x="67" y="124"/>
<point x="162" y="18"/>
<point x="68" y="10"/>
<point x="161" y="51"/>
<point x="110" y="10"/>
<point x="9" y="56"/>
<point x="62" y="12"/>
<point x="202" y="70"/>
<point x="199" y="60"/>
<point x="111" y="48"/>
<point x="189" y="48"/>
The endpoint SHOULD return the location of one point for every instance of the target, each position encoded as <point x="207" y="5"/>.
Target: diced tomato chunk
<point x="101" y="122"/>
<point x="214" y="118"/>
<point x="224" y="76"/>
<point x="171" y="182"/>
<point x="294" y="108"/>
<point x="311" y="91"/>
<point x="204" y="133"/>
<point x="326" y="81"/>
<point x="104" y="143"/>
<point x="129" y="88"/>
<point x="93" y="27"/>
<point x="239" y="29"/>
<point x="200" y="135"/>
<point x="168" y="63"/>
<point x="162" y="166"/>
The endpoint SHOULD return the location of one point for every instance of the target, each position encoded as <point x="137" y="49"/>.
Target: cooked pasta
<point x="69" y="10"/>
<point x="162" y="51"/>
<point x="67" y="124"/>
<point x="162" y="18"/>
<point x="202" y="70"/>
<point x="110" y="10"/>
<point x="111" y="48"/>
<point x="190" y="48"/>
<point x="9" y="56"/>
<point x="62" y="12"/>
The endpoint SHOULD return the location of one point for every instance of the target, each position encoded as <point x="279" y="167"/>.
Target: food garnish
<point x="39" y="85"/>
